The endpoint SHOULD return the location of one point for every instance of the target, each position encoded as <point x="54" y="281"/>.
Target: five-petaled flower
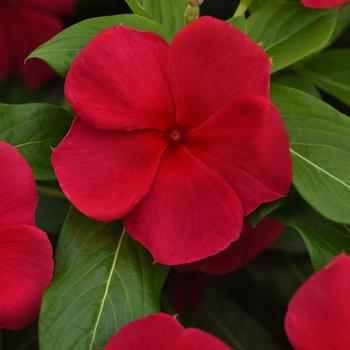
<point x="160" y="332"/>
<point x="251" y="243"/>
<point x="181" y="141"/>
<point x="318" y="316"/>
<point x="26" y="263"/>
<point x="25" y="24"/>
<point x="317" y="4"/>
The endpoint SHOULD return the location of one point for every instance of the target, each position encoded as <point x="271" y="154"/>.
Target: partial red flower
<point x="24" y="25"/>
<point x="317" y="4"/>
<point x="26" y="263"/>
<point x="251" y="243"/>
<point x="160" y="332"/>
<point x="181" y="141"/>
<point x="318" y="316"/>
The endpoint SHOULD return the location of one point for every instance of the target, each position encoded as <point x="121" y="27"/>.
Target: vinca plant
<point x="175" y="174"/>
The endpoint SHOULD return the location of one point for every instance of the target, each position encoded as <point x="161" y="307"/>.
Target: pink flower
<point x="318" y="316"/>
<point x="26" y="263"/>
<point x="26" y="24"/>
<point x="251" y="243"/>
<point x="162" y="332"/>
<point x="180" y="141"/>
<point x="317" y="4"/>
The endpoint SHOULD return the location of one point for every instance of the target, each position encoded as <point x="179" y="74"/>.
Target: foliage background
<point x="262" y="289"/>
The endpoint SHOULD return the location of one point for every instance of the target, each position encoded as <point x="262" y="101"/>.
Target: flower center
<point x="175" y="135"/>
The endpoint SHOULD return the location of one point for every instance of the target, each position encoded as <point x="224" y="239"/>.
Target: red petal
<point x="53" y="6"/>
<point x="106" y="173"/>
<point x="190" y="213"/>
<point x="6" y="64"/>
<point x="26" y="268"/>
<point x="318" y="316"/>
<point x="211" y="61"/>
<point x="250" y="244"/>
<point x="246" y="142"/>
<point x="323" y="3"/>
<point x="30" y="29"/>
<point x="195" y="339"/>
<point x="119" y="81"/>
<point x="18" y="195"/>
<point x="154" y="332"/>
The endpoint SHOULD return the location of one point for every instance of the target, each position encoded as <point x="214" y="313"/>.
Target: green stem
<point x="191" y="13"/>
<point x="51" y="192"/>
<point x="242" y="8"/>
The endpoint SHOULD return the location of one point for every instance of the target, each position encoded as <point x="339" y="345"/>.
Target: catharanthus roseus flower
<point x="318" y="316"/>
<point x="251" y="243"/>
<point x="181" y="141"/>
<point x="323" y="3"/>
<point x="26" y="263"/>
<point x="24" y="25"/>
<point x="160" y="332"/>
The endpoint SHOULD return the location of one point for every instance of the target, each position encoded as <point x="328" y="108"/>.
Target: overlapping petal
<point x="250" y="244"/>
<point x="26" y="267"/>
<point x="119" y="81"/>
<point x="162" y="332"/>
<point x="210" y="62"/>
<point x="17" y="188"/>
<point x="323" y="3"/>
<point x="195" y="339"/>
<point x="318" y="316"/>
<point x="154" y="332"/>
<point x="246" y="142"/>
<point x="190" y="213"/>
<point x="106" y="173"/>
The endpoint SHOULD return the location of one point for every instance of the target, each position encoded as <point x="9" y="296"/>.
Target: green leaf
<point x="61" y="50"/>
<point x="223" y="318"/>
<point x="343" y="21"/>
<point x="34" y="129"/>
<point x="239" y="22"/>
<point x="297" y="82"/>
<point x="330" y="71"/>
<point x="103" y="280"/>
<point x="324" y="240"/>
<point x="290" y="32"/>
<point x="264" y="210"/>
<point x="320" y="146"/>
<point x="169" y="13"/>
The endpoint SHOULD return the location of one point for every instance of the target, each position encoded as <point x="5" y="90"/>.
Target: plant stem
<point x="51" y="192"/>
<point x="242" y="8"/>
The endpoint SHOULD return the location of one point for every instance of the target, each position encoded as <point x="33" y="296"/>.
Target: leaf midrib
<point x="108" y="283"/>
<point x="320" y="169"/>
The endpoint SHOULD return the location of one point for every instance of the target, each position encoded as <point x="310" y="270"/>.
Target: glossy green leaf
<point x="222" y="317"/>
<point x="330" y="71"/>
<point x="34" y="129"/>
<point x="320" y="146"/>
<point x="297" y="82"/>
<point x="264" y="210"/>
<point x="324" y="239"/>
<point x="290" y="32"/>
<point x="239" y="22"/>
<point x="169" y="13"/>
<point x="103" y="280"/>
<point x="60" y="51"/>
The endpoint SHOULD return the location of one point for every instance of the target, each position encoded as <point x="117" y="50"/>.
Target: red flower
<point x="318" y="316"/>
<point x="250" y="244"/>
<point x="181" y="141"/>
<point x="317" y="4"/>
<point x="160" y="332"/>
<point x="26" y="263"/>
<point x="26" y="24"/>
